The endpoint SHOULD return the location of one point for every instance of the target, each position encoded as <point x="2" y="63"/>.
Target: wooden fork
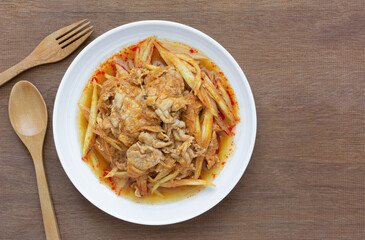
<point x="53" y="48"/>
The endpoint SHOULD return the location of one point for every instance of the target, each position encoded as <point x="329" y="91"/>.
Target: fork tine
<point x="63" y="31"/>
<point x="75" y="44"/>
<point x="73" y="32"/>
<point x="66" y="42"/>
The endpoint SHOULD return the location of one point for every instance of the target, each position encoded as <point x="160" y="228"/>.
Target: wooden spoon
<point x="28" y="116"/>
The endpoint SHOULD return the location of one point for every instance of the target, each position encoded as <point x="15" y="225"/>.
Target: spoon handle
<point x="21" y="66"/>
<point x="49" y="217"/>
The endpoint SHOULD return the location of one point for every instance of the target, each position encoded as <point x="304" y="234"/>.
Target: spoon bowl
<point x="27" y="109"/>
<point x="28" y="116"/>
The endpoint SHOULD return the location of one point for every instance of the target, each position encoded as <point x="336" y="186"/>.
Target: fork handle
<point x="21" y="66"/>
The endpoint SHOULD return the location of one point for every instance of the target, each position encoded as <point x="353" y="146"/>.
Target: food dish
<point x="151" y="119"/>
<point x="65" y="127"/>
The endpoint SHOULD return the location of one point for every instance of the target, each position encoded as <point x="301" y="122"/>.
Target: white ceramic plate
<point x="67" y="140"/>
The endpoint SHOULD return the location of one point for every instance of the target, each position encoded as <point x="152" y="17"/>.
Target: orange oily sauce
<point x="100" y="166"/>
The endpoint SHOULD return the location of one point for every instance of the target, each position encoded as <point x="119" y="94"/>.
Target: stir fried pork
<point x="157" y="125"/>
<point x="151" y="114"/>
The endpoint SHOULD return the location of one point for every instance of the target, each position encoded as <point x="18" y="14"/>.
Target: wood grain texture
<point x="305" y="64"/>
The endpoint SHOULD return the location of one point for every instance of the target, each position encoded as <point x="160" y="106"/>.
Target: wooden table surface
<point x="305" y="63"/>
